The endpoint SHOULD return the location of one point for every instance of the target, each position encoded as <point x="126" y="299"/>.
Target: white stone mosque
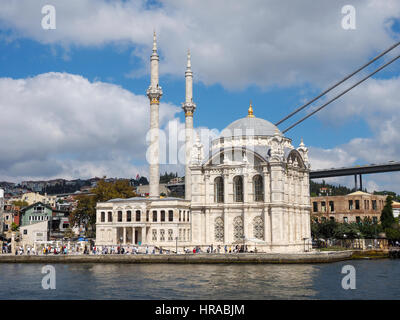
<point x="252" y="189"/>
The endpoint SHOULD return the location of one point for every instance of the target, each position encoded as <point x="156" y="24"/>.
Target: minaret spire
<point x="154" y="92"/>
<point x="188" y="106"/>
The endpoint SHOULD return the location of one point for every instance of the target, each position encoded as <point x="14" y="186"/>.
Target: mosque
<point x="252" y="188"/>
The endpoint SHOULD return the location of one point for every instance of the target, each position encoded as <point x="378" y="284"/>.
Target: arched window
<point x="219" y="229"/>
<point x="103" y="217"/>
<point x="129" y="216"/>
<point x="238" y="229"/>
<point x="119" y="216"/>
<point x="162" y="216"/>
<point x="219" y="190"/>
<point x="238" y="188"/>
<point x="258" y="228"/>
<point x="258" y="188"/>
<point x="138" y="214"/>
<point x="109" y="216"/>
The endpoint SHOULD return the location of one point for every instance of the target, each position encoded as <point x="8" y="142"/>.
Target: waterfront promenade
<point x="202" y="258"/>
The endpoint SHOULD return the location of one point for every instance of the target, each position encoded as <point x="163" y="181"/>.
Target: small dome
<point x="249" y="126"/>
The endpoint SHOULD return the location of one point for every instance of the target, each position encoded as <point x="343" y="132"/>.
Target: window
<point x="345" y="220"/>
<point x="315" y="206"/>
<point x="219" y="190"/>
<point x="180" y="215"/>
<point x="350" y="204"/>
<point x="331" y="206"/>
<point x="154" y="216"/>
<point x="184" y="215"/>
<point x="238" y="229"/>
<point x="25" y="231"/>
<point x="375" y="220"/>
<point x="138" y="215"/>
<point x="219" y="229"/>
<point x="258" y="228"/>
<point x="332" y="218"/>
<point x="162" y="235"/>
<point x="323" y="206"/>
<point x="129" y="216"/>
<point x="154" y="235"/>
<point x="358" y="219"/>
<point x="170" y="235"/>
<point x="162" y="216"/>
<point x="170" y="215"/>
<point x="374" y="205"/>
<point x="357" y="204"/>
<point x="238" y="188"/>
<point x="147" y="216"/>
<point x="109" y="216"/>
<point x="258" y="188"/>
<point x="187" y="218"/>
<point x="119" y="216"/>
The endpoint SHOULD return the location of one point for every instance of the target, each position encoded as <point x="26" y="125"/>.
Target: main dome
<point x="249" y="126"/>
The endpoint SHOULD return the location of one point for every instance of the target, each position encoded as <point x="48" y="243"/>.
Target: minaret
<point x="154" y="92"/>
<point x="188" y="106"/>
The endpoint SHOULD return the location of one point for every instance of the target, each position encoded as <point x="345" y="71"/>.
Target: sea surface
<point x="375" y="279"/>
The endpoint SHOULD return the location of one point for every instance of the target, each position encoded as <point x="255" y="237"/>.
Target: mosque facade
<point x="251" y="189"/>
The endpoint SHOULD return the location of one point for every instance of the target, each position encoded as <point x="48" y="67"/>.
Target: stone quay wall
<point x="259" y="258"/>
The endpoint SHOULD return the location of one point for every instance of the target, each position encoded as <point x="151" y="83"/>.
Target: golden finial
<point x="250" y="112"/>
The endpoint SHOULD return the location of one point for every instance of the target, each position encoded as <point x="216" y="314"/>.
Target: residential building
<point x="353" y="207"/>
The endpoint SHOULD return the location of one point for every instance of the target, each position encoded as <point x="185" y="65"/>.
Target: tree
<point x="14" y="226"/>
<point x="387" y="218"/>
<point x="85" y="212"/>
<point x="20" y="203"/>
<point x="392" y="234"/>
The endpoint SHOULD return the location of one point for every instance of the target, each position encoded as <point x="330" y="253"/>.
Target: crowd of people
<point x="117" y="249"/>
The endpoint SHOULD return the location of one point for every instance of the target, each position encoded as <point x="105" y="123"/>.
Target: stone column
<point x="124" y="235"/>
<point x="144" y="235"/>
<point x="133" y="235"/>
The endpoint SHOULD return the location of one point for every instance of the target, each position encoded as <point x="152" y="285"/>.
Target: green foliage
<point x="166" y="177"/>
<point x="392" y="234"/>
<point x="110" y="190"/>
<point x="20" y="203"/>
<point x="14" y="226"/>
<point x="387" y="218"/>
<point x="85" y="212"/>
<point x="335" y="190"/>
<point x="394" y="196"/>
<point x="369" y="229"/>
<point x="347" y="231"/>
<point x="333" y="230"/>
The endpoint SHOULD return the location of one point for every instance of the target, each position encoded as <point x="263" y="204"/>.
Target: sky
<point x="73" y="99"/>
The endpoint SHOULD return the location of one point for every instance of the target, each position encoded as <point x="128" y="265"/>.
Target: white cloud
<point x="236" y="44"/>
<point x="62" y="125"/>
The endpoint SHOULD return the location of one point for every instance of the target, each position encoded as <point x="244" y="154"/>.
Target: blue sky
<point x="246" y="56"/>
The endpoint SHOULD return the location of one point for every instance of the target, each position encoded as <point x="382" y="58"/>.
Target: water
<point x="379" y="279"/>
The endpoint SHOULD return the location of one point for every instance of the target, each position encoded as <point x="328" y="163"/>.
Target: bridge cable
<point x="341" y="94"/>
<point x="335" y="85"/>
